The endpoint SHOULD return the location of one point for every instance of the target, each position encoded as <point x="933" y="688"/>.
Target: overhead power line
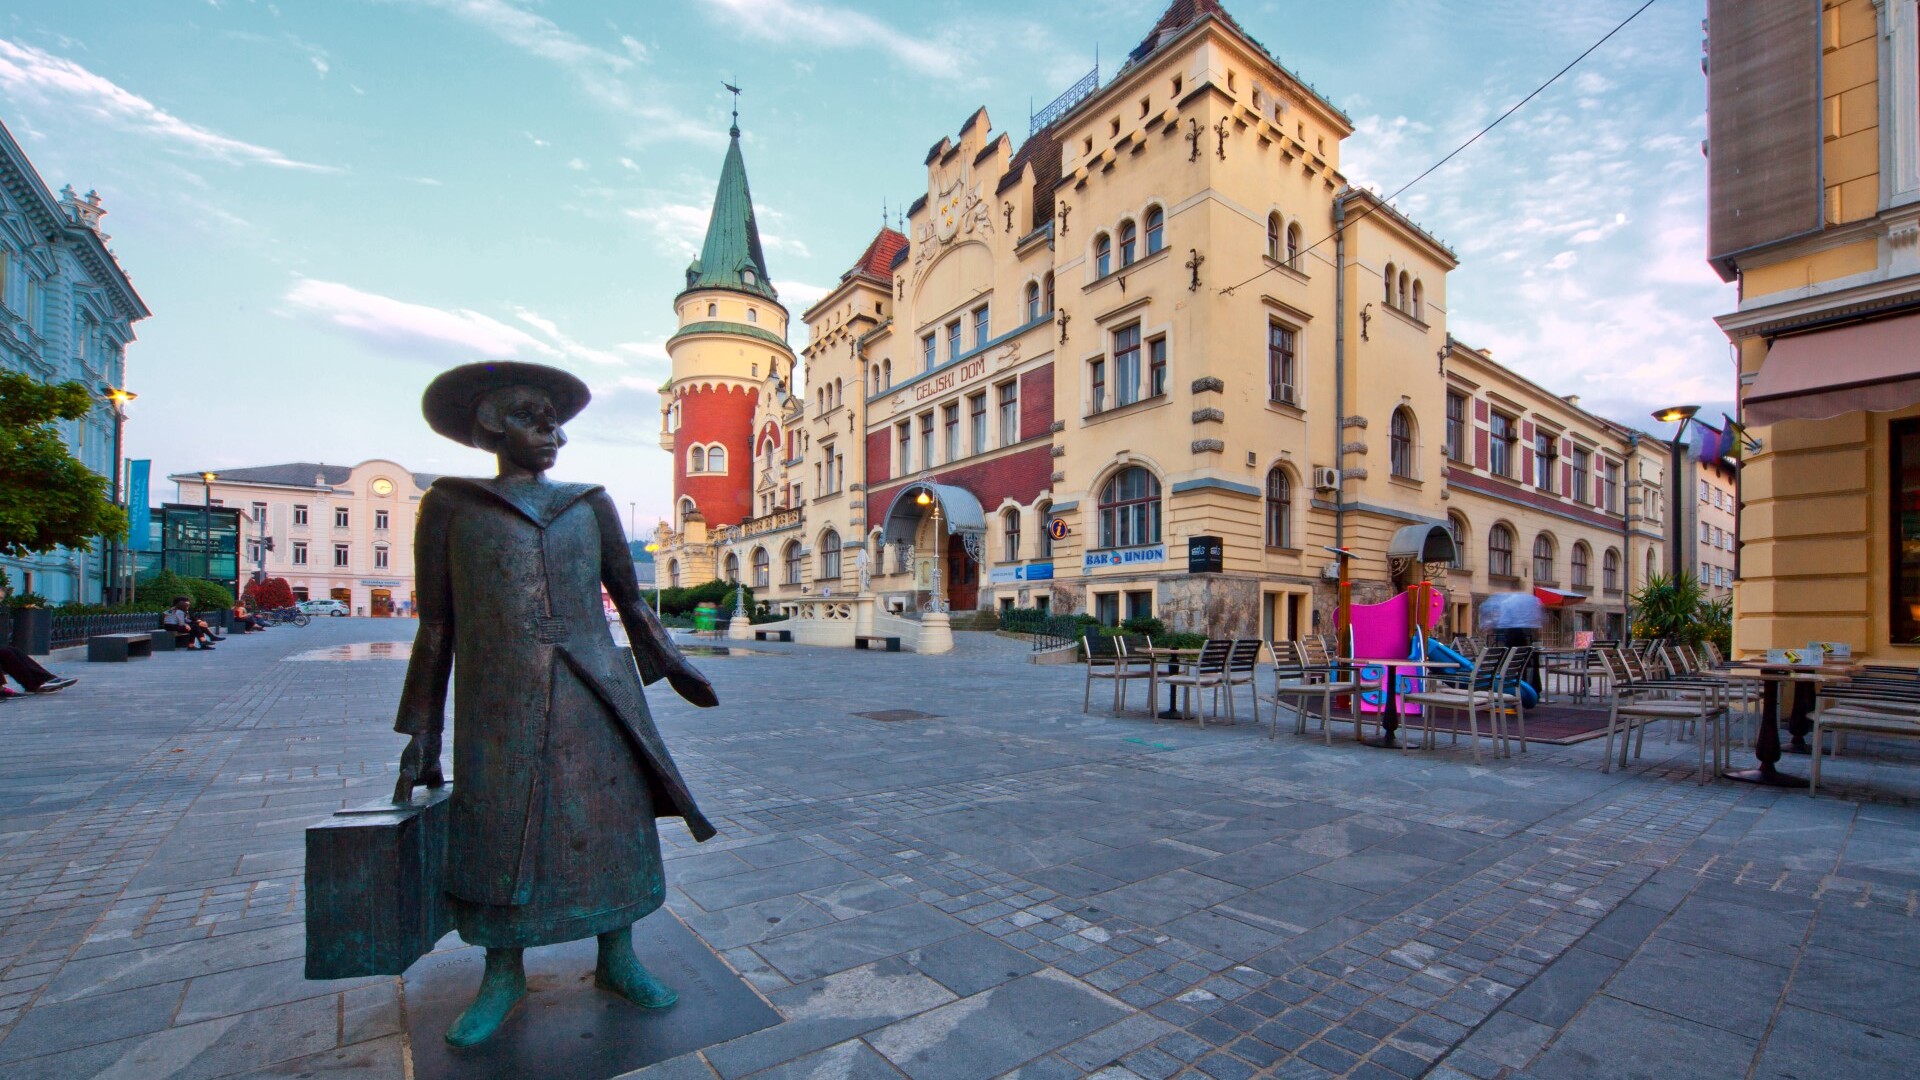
<point x="1455" y="152"/>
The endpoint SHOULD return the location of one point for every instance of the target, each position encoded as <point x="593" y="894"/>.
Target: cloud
<point x="320" y="65"/>
<point x="798" y="296"/>
<point x="403" y="326"/>
<point x="824" y="26"/>
<point x="565" y="344"/>
<point x="677" y="227"/>
<point x="34" y="74"/>
<point x="601" y="74"/>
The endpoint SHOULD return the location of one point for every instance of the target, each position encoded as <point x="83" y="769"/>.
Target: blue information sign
<point x="139" y="515"/>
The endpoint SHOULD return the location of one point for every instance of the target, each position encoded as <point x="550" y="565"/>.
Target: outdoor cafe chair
<point x="1207" y="673"/>
<point x="1299" y="683"/>
<point x="1104" y="660"/>
<point x="1842" y="716"/>
<point x="1639" y="701"/>
<point x="1134" y="665"/>
<point x="1575" y="670"/>
<point x="1243" y="662"/>
<point x="1479" y="690"/>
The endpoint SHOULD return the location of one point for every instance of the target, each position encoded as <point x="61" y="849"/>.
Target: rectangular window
<point x="1126" y="365"/>
<point x="950" y="427"/>
<point x="259" y="513"/>
<point x="381" y="519"/>
<point x="340" y="554"/>
<point x="1703" y="491"/>
<point x="380" y="558"/>
<point x="1009" y="413"/>
<point x="926" y="352"/>
<point x="905" y="431"/>
<point x="1140" y="604"/>
<point x="299" y="514"/>
<point x="1610" y="486"/>
<point x="299" y="553"/>
<point x="1280" y="364"/>
<point x="1500" y="445"/>
<point x="1456" y="426"/>
<point x="1097" y="385"/>
<point x="953" y="340"/>
<point x="926" y="440"/>
<point x="341" y="518"/>
<point x="1106" y="608"/>
<point x="977" y="421"/>
<point x="1543" y="461"/>
<point x="981" y="324"/>
<point x="1157" y="366"/>
<point x="1580" y="491"/>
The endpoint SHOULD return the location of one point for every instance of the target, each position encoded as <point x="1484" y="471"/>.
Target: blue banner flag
<point x="139" y="516"/>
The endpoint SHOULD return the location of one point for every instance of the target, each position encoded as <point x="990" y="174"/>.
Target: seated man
<point x="29" y="674"/>
<point x="246" y="620"/>
<point x="195" y="632"/>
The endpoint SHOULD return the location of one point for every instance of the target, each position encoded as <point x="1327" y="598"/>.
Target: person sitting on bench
<point x="180" y="620"/>
<point x="246" y="620"/>
<point x="29" y="674"/>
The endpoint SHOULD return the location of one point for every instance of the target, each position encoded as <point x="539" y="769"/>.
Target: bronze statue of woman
<point x="560" y="771"/>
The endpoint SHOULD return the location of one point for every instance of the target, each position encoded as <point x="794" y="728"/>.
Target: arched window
<point x="886" y="373"/>
<point x="1156" y="230"/>
<point x="1653" y="564"/>
<point x="1419" y="301"/>
<point x="1130" y="509"/>
<point x="1279" y="508"/>
<point x="713" y="310"/>
<point x="686" y="511"/>
<point x="673" y="573"/>
<point x="1400" y="443"/>
<point x="1046" y="292"/>
<point x="1043" y="515"/>
<point x="732" y="568"/>
<point x="839" y="392"/>
<point x="1102" y="255"/>
<point x="830" y="555"/>
<point x="1581" y="566"/>
<point x="1033" y="300"/>
<point x="791" y="556"/>
<point x="1610" y="570"/>
<point x="1293" y="245"/>
<point x="753" y="315"/>
<point x="717" y="459"/>
<point x="1457" y="525"/>
<point x="1129" y="238"/>
<point x="1543" y="558"/>
<point x="1010" y="529"/>
<point x="1402" y="302"/>
<point x="1388" y="278"/>
<point x="1273" y="236"/>
<point x="697" y="459"/>
<point x="1500" y="551"/>
<point x="762" y="568"/>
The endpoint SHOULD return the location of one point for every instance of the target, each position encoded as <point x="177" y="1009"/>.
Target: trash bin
<point x="33" y="630"/>
<point x="705" y="617"/>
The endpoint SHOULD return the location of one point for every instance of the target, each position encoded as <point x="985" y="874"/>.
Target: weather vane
<point x="735" y="91"/>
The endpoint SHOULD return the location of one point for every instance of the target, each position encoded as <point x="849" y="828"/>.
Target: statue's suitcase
<point x="376" y="886"/>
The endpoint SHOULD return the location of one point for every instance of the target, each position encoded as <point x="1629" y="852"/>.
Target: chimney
<point x="1573" y="400"/>
<point x="85" y="212"/>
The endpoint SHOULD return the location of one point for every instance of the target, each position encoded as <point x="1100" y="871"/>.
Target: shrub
<point x="157" y="592"/>
<point x="682" y="601"/>
<point x="271" y="594"/>
<point x="1145" y="626"/>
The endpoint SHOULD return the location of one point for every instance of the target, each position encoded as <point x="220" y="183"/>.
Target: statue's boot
<point x="621" y="972"/>
<point x="501" y="988"/>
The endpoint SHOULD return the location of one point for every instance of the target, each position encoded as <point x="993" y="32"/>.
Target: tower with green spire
<point x="730" y="345"/>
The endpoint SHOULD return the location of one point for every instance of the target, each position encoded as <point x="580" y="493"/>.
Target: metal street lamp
<point x="206" y="527"/>
<point x="118" y="398"/>
<point x="1676" y="459"/>
<point x="925" y="498"/>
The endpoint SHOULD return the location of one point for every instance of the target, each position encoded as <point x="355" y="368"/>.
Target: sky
<point x="327" y="202"/>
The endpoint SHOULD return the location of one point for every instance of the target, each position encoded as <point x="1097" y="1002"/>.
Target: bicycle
<point x="286" y="615"/>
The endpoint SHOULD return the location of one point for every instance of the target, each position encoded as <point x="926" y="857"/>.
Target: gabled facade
<point x="66" y="314"/>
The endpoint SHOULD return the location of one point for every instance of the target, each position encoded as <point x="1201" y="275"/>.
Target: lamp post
<point x="118" y="398"/>
<point x="206" y="527"/>
<point x="925" y="498"/>
<point x="1676" y="459"/>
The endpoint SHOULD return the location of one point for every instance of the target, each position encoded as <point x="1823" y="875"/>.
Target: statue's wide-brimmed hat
<point x="452" y="397"/>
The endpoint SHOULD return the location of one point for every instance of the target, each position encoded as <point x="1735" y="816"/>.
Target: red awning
<point x="1557" y="597"/>
<point x="1867" y="367"/>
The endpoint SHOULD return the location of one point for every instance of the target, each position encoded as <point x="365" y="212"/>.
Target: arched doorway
<point x="944" y="529"/>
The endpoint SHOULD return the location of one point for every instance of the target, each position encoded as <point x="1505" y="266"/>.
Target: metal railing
<point x="76" y="629"/>
<point x="1073" y="95"/>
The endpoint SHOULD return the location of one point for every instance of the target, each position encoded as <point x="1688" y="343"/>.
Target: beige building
<point x="332" y="531"/>
<point x="1164" y="322"/>
<point x="1814" y="210"/>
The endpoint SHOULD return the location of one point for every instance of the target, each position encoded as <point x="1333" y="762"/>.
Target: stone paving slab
<point x="1010" y="888"/>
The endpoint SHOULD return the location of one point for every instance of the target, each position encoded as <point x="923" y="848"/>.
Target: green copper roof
<point x="722" y="327"/>
<point x="731" y="257"/>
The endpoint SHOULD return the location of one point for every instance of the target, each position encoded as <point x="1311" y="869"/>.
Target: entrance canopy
<point x="1866" y="367"/>
<point x="1557" y="597"/>
<point x="959" y="511"/>
<point x="1422" y="544"/>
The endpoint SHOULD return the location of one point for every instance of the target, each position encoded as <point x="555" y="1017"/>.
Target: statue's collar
<point x="540" y="505"/>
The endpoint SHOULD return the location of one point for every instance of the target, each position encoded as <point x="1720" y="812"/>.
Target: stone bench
<point x="119" y="648"/>
<point x="773" y="635"/>
<point x="868" y="641"/>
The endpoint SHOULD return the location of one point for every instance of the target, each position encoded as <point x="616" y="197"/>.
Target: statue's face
<point x="533" y="436"/>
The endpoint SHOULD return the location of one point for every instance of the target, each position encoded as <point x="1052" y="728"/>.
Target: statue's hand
<point x="419" y="764"/>
<point x="690" y="684"/>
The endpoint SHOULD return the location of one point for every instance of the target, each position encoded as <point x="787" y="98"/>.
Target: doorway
<point x="345" y="596"/>
<point x="382" y="603"/>
<point x="963" y="577"/>
<point x="1282" y="615"/>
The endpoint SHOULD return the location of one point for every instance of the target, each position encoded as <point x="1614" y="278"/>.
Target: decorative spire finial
<point x="735" y="91"/>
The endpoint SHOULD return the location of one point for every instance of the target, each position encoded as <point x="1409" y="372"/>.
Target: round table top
<point x="1383" y="661"/>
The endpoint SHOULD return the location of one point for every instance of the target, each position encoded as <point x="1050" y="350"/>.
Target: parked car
<point x="325" y="607"/>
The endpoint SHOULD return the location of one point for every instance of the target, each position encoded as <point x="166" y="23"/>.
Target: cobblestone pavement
<point x="1005" y="887"/>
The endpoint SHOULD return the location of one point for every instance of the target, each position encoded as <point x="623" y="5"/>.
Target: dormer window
<point x="746" y="276"/>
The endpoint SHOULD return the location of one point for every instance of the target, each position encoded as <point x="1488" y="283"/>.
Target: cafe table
<point x="1766" y="742"/>
<point x="1173" y="659"/>
<point x="1390" y="704"/>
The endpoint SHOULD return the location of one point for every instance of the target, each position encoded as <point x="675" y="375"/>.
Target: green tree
<point x="48" y="499"/>
<point x="1670" y="606"/>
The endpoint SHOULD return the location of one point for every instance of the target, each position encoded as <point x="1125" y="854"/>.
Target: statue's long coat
<point x="558" y="769"/>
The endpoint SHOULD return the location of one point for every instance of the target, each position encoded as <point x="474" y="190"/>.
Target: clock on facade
<point x="383" y="486"/>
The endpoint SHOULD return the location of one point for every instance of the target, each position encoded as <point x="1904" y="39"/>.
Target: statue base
<point x="739" y="628"/>
<point x="566" y="1029"/>
<point x="936" y="633"/>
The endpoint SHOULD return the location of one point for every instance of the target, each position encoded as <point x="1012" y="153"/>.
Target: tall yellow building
<point x="1163" y="325"/>
<point x="1814" y="189"/>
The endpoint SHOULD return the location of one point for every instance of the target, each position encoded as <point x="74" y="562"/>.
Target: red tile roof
<point x="878" y="260"/>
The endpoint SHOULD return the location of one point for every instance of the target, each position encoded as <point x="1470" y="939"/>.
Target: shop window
<point x="1106" y="608"/>
<point x="1904" y="435"/>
